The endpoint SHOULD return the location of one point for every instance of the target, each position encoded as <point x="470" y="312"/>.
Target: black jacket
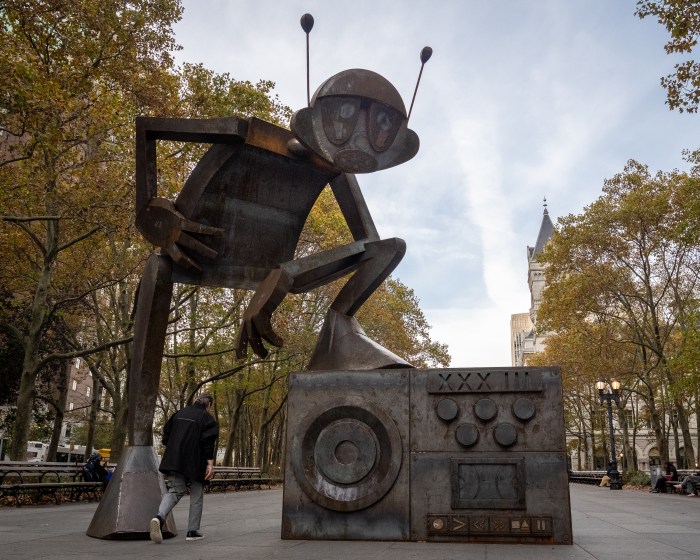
<point x="189" y="437"/>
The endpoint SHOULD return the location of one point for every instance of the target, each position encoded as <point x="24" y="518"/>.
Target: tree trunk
<point x="120" y="431"/>
<point x="277" y="451"/>
<point x="626" y="449"/>
<point x="263" y="429"/>
<point x="697" y="423"/>
<point x="250" y="462"/>
<point x="658" y="429"/>
<point x="233" y="421"/>
<point x="32" y="341"/>
<point x="688" y="448"/>
<point x="60" y="408"/>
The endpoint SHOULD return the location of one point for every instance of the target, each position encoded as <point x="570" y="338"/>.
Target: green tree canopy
<point x="624" y="276"/>
<point x="681" y="18"/>
<point x="74" y="76"/>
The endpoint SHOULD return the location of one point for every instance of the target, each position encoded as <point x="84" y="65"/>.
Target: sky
<point x="522" y="100"/>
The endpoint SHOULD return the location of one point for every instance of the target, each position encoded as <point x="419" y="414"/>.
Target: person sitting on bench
<point x="671" y="474"/>
<point x="689" y="484"/>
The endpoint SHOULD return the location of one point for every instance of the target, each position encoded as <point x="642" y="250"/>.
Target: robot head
<point x="357" y="121"/>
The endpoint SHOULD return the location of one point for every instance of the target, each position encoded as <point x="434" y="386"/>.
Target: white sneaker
<point x="155" y="532"/>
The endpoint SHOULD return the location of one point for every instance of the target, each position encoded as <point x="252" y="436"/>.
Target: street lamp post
<point x="609" y="396"/>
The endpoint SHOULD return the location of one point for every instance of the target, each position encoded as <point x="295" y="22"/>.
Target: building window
<point x="75" y="384"/>
<point x="87" y="392"/>
<point x="77" y="363"/>
<point x="70" y="406"/>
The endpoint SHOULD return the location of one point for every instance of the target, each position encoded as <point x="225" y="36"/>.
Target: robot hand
<point x="165" y="227"/>
<point x="255" y="328"/>
<point x="256" y="319"/>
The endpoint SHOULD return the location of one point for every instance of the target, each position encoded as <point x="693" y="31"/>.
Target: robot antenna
<point x="425" y="55"/>
<point x="307" y="24"/>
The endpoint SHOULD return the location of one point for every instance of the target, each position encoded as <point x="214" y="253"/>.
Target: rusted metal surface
<point x="131" y="498"/>
<point x="343" y="343"/>
<point x="357" y="121"/>
<point x="482" y="456"/>
<point x="346" y="474"/>
<point x="150" y="323"/>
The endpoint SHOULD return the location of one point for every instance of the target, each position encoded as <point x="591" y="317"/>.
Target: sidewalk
<point x="245" y="525"/>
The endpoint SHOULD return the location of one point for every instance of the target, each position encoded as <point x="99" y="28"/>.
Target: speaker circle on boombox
<point x="349" y="456"/>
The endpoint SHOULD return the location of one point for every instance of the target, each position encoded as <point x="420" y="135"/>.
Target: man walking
<point x="189" y="437"/>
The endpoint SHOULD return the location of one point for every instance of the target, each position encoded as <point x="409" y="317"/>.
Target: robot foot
<point x="343" y="345"/>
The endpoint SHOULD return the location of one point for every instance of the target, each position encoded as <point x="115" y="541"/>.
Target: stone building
<point x="78" y="398"/>
<point x="524" y="337"/>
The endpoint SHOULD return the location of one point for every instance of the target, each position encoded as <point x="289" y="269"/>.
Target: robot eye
<point x="340" y="114"/>
<point x="383" y="125"/>
<point x="347" y="110"/>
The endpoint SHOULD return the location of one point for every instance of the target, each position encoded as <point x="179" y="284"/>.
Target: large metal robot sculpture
<point x="375" y="449"/>
<point x="236" y="224"/>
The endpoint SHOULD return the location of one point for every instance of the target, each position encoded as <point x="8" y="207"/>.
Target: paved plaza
<point x="245" y="525"/>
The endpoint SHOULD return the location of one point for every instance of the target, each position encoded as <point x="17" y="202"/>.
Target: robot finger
<point x="195" y="227"/>
<point x="258" y="347"/>
<point x="196" y="245"/>
<point x="264" y="328"/>
<point x="256" y="342"/>
<point x="181" y="258"/>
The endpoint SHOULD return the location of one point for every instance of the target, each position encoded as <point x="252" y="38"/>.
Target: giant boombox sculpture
<point x="461" y="455"/>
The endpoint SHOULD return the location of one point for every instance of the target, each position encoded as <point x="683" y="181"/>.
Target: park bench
<point x="40" y="479"/>
<point x="238" y="477"/>
<point x="23" y="471"/>
<point x="63" y="481"/>
<point x="59" y="491"/>
<point x="586" y="477"/>
<point x="671" y="484"/>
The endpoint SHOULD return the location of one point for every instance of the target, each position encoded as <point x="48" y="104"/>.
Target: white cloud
<point x="477" y="337"/>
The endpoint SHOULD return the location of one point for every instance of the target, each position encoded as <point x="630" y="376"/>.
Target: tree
<point x="629" y="266"/>
<point x="682" y="20"/>
<point x="74" y="74"/>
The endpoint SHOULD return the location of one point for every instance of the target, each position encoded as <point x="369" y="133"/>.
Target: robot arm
<point x="256" y="324"/>
<point x="352" y="204"/>
<point x="158" y="219"/>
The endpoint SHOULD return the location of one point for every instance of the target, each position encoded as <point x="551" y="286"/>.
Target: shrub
<point x="636" y="478"/>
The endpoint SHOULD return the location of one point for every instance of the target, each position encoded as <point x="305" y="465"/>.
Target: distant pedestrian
<point x="95" y="471"/>
<point x="671" y="474"/>
<point x="189" y="437"/>
<point x="607" y="477"/>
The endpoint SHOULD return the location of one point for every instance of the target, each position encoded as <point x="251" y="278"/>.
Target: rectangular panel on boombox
<point x="454" y="455"/>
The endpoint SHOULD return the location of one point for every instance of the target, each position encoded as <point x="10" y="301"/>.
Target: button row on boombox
<point x="467" y="434"/>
